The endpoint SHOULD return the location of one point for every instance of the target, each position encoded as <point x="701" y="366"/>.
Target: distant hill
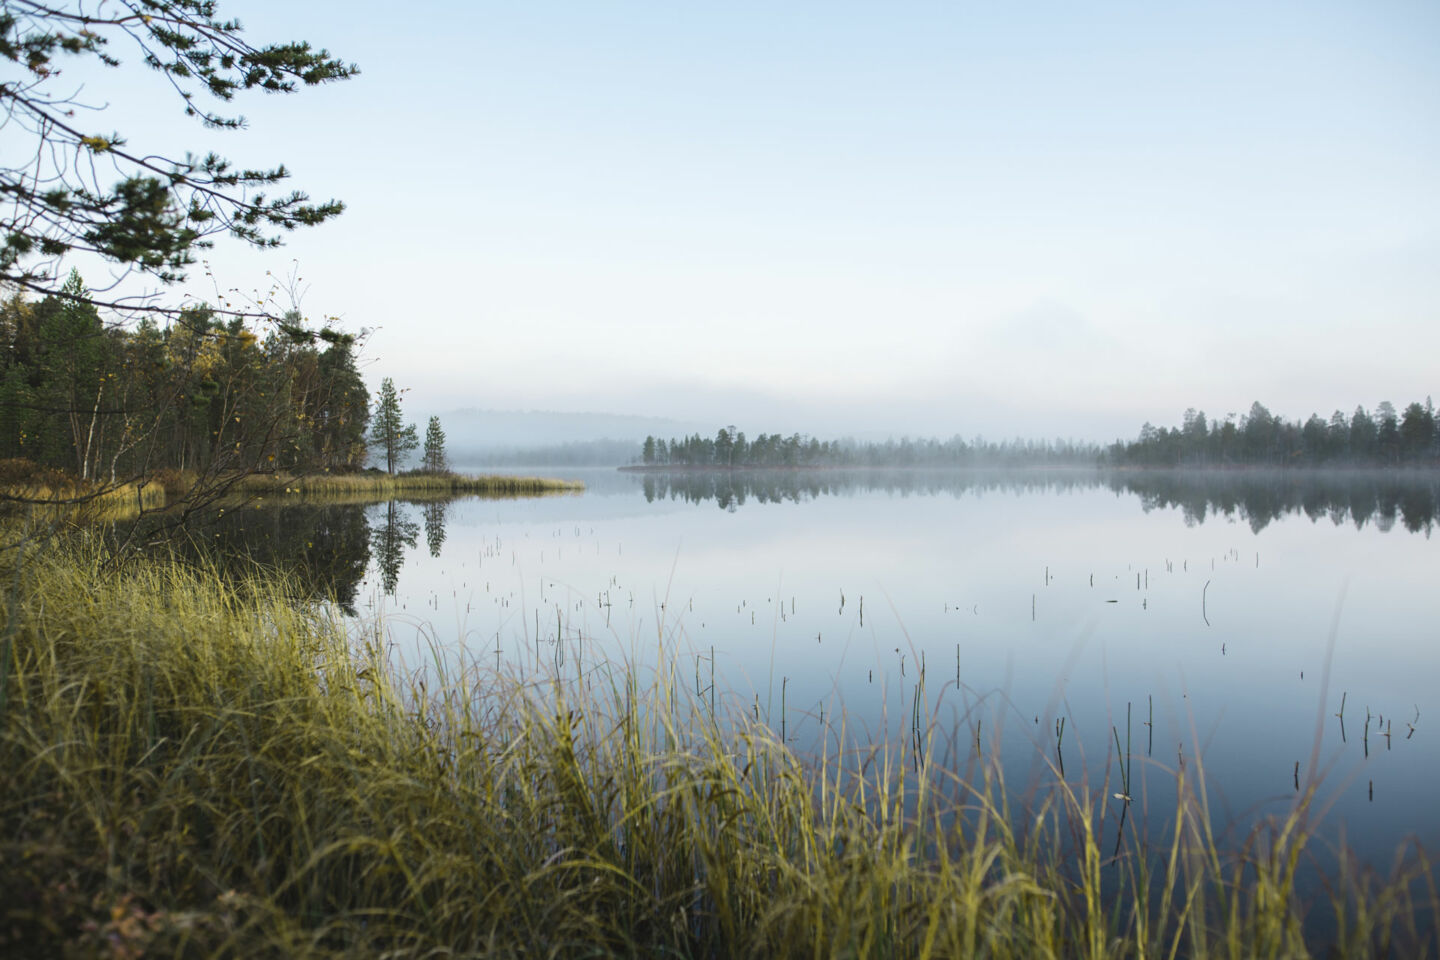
<point x="541" y="436"/>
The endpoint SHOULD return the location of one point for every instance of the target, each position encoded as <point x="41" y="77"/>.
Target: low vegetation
<point x="27" y="485"/>
<point x="30" y="488"/>
<point x="376" y="484"/>
<point x="198" y="766"/>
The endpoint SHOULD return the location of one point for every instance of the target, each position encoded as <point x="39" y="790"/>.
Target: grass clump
<point x="195" y="767"/>
<point x="55" y="495"/>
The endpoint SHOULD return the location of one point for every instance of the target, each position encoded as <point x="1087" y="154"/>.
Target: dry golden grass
<point x="57" y="496"/>
<point x="370" y="486"/>
<point x="381" y="484"/>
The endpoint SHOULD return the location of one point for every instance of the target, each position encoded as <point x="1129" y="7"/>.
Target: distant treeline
<point x="730" y="449"/>
<point x="1383" y="439"/>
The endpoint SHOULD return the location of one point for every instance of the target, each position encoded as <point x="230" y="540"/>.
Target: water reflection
<point x="326" y="547"/>
<point x="1258" y="498"/>
<point x="1261" y="497"/>
<point x="435" y="526"/>
<point x="734" y="488"/>
<point x="393" y="534"/>
<point x="321" y="549"/>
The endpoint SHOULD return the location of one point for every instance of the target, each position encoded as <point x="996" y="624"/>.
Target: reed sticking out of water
<point x="199" y="767"/>
<point x="784" y="681"/>
<point x="1204" y="594"/>
<point x="1150" y="727"/>
<point x="1060" y="739"/>
<point x="1124" y="758"/>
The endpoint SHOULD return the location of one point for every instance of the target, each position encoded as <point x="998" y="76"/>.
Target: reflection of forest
<point x="1256" y="496"/>
<point x="731" y="489"/>
<point x="1261" y="496"/>
<point x="323" y="548"/>
<point x="326" y="548"/>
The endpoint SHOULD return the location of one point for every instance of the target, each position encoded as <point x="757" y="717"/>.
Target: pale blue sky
<point x="924" y="218"/>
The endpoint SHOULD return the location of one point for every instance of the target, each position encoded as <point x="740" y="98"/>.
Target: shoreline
<point x="167" y="489"/>
<point x="1233" y="470"/>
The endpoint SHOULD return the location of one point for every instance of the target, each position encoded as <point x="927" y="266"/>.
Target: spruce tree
<point x="434" y="460"/>
<point x="388" y="431"/>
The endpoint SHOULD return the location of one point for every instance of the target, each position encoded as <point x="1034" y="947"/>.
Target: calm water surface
<point x="1239" y="611"/>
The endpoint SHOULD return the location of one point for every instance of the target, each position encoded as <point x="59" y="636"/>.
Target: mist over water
<point x="1026" y="597"/>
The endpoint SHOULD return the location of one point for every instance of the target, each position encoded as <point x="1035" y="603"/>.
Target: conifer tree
<point x="159" y="211"/>
<point x="434" y="459"/>
<point x="388" y="431"/>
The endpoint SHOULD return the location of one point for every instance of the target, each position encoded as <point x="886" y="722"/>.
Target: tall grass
<point x="57" y="496"/>
<point x="196" y="767"/>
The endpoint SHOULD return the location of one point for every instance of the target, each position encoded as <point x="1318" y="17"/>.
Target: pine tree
<point x="388" y="431"/>
<point x="70" y="185"/>
<point x="435" y="461"/>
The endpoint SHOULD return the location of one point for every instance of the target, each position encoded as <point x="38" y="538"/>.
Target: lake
<point x="1228" y="617"/>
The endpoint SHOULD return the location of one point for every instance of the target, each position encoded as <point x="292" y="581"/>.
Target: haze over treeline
<point x="730" y="448"/>
<point x="1384" y="438"/>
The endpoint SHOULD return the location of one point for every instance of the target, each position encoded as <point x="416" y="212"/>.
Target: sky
<point x="1048" y="220"/>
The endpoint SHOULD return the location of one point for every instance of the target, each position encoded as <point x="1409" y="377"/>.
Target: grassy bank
<point x="382" y="485"/>
<point x="27" y="485"/>
<point x="196" y="767"/>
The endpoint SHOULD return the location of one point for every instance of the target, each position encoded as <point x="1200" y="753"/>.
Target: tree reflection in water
<point x="322" y="550"/>
<point x="1258" y="497"/>
<point x="435" y="526"/>
<point x="392" y="535"/>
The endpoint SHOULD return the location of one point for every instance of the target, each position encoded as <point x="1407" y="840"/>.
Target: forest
<point x="732" y="449"/>
<point x="1259" y="438"/>
<point x="1385" y="438"/>
<point x="104" y="402"/>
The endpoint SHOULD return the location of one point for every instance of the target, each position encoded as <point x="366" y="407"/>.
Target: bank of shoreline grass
<point x="54" y="494"/>
<point x="372" y="484"/>
<point x="30" y="488"/>
<point x="197" y="768"/>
